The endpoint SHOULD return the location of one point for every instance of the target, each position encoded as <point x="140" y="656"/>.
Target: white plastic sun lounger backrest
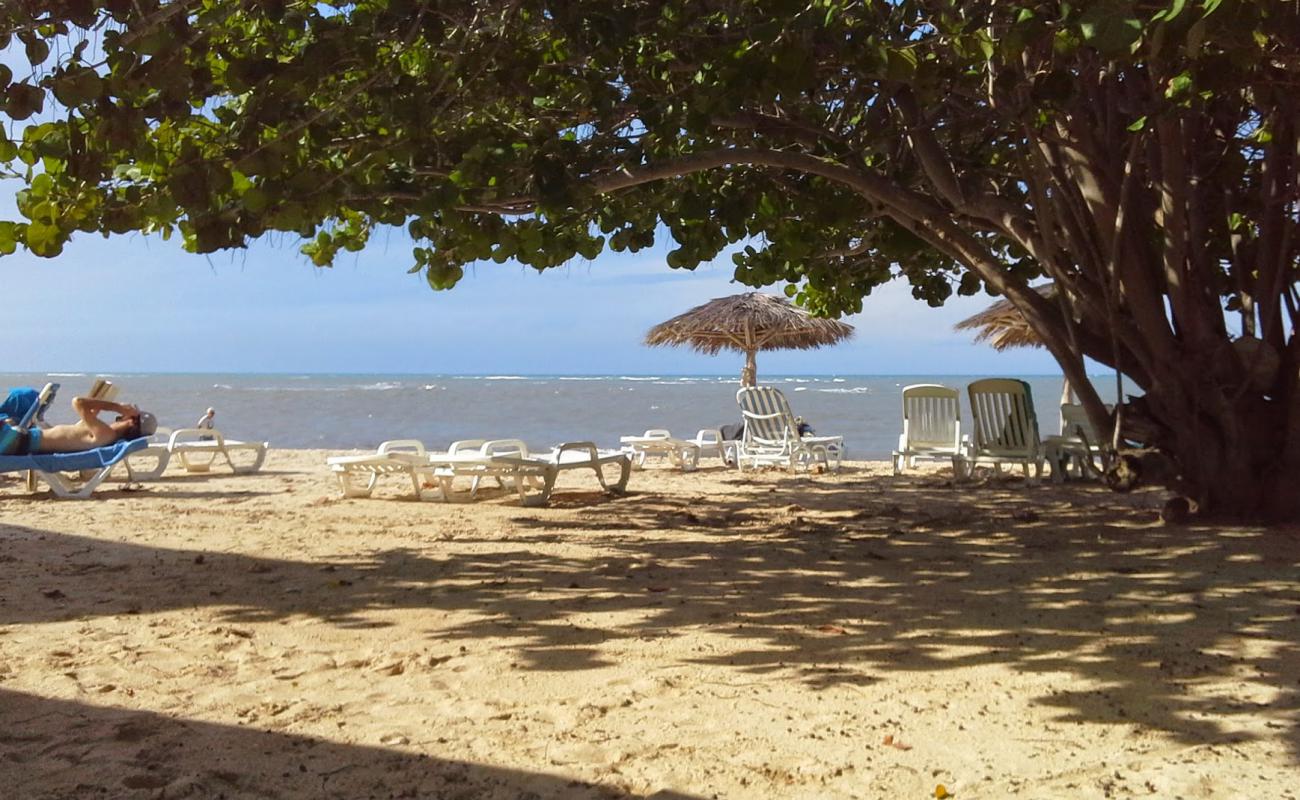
<point x="1005" y="428"/>
<point x="932" y="415"/>
<point x="768" y="420"/>
<point x="931" y="424"/>
<point x="1075" y="423"/>
<point x="771" y="435"/>
<point x="1002" y="414"/>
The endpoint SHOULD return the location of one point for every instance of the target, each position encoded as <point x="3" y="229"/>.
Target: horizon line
<point x="507" y="373"/>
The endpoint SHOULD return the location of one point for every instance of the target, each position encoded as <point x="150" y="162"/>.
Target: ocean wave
<point x="801" y="388"/>
<point x="224" y="386"/>
<point x="837" y="380"/>
<point x="583" y="378"/>
<point x="851" y="390"/>
<point x="502" y="377"/>
<point x="66" y="374"/>
<point x="639" y="378"/>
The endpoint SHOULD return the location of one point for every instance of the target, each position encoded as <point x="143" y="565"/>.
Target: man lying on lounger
<point x="88" y="432"/>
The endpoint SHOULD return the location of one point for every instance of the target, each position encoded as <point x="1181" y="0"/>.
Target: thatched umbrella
<point x="748" y="323"/>
<point x="1002" y="326"/>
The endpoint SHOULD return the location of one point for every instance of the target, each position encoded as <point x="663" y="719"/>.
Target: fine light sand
<point x="705" y="635"/>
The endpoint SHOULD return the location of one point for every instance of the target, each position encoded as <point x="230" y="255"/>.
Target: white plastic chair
<point x="197" y="450"/>
<point x="660" y="443"/>
<point x="358" y="475"/>
<point x="931" y="425"/>
<point x="1077" y="444"/>
<point x="772" y="437"/>
<point x="1005" y="429"/>
<point x="509" y="461"/>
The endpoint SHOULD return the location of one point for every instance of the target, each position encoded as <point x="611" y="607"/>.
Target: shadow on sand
<point x="151" y="755"/>
<point x="889" y="575"/>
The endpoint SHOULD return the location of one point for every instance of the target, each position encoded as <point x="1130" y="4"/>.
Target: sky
<point x="138" y="304"/>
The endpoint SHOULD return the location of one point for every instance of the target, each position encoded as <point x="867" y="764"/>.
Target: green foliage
<point x="494" y="131"/>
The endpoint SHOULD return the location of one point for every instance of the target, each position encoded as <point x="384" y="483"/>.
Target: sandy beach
<point x="708" y="634"/>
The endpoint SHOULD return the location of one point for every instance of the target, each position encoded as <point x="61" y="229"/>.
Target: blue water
<point x="359" y="411"/>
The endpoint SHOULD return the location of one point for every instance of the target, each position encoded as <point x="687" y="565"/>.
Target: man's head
<point x="136" y="425"/>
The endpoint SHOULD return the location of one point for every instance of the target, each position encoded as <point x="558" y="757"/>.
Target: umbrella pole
<point x="749" y="375"/>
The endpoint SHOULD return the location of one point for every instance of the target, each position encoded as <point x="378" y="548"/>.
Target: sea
<point x="351" y="411"/>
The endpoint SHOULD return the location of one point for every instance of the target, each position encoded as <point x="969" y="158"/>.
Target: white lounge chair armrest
<point x="402" y="445"/>
<point x="466" y="445"/>
<point x="708" y="436"/>
<point x="657" y="433"/>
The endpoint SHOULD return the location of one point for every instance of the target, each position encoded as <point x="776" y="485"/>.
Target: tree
<point x="1143" y="155"/>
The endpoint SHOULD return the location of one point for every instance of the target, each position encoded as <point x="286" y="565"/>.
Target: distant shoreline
<point x="546" y="376"/>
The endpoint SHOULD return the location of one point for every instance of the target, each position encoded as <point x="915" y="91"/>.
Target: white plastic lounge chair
<point x="197" y="450"/>
<point x="658" y="443"/>
<point x="772" y="437"/>
<point x="509" y="461"/>
<point x="711" y="443"/>
<point x="1005" y="429"/>
<point x="931" y="425"/>
<point x="1077" y="444"/>
<point x="51" y="467"/>
<point x="357" y="475"/>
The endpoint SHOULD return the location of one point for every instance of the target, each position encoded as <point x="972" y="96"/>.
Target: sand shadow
<point x="890" y="575"/>
<point x="111" y="752"/>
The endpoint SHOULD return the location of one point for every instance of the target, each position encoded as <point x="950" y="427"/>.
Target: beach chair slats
<point x="1004" y="426"/>
<point x="771" y="434"/>
<point x="931" y="424"/>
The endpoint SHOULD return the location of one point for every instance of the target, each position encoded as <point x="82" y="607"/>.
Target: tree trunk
<point x="1235" y="465"/>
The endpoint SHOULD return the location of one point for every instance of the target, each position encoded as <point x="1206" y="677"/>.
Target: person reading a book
<point x="87" y="433"/>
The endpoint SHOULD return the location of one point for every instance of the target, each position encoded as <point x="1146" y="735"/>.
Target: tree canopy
<point x="1141" y="154"/>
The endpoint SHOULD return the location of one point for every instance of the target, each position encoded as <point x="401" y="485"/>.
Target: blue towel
<point x="18" y="402"/>
<point x="71" y="462"/>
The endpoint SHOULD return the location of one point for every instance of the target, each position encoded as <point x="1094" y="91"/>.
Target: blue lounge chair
<point x="98" y="462"/>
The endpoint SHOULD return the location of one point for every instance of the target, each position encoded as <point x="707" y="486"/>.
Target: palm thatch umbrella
<point x="1002" y="326"/>
<point x="748" y="323"/>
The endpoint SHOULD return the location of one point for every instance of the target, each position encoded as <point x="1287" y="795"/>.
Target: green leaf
<point x="1168" y="14"/>
<point x="22" y="100"/>
<point x="901" y="64"/>
<point x="37" y="51"/>
<point x="1110" y="27"/>
<point x="1178" y="85"/>
<point x="8" y="237"/>
<point x="44" y="239"/>
<point x="1137" y="125"/>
